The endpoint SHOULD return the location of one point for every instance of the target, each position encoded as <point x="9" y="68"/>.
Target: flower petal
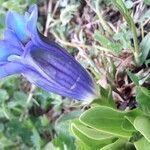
<point x="7" y="69"/>
<point x="60" y="54"/>
<point x="60" y="70"/>
<point x="11" y="37"/>
<point x="6" y="49"/>
<point x="36" y="76"/>
<point x="43" y="62"/>
<point x="32" y="16"/>
<point x="17" y="23"/>
<point x="38" y="80"/>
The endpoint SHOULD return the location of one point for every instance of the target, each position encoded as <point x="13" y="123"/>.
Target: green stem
<point x="104" y="24"/>
<point x="124" y="11"/>
<point x="135" y="40"/>
<point x="101" y="19"/>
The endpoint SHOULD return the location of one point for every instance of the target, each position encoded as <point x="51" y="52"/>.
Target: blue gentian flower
<point x="44" y="63"/>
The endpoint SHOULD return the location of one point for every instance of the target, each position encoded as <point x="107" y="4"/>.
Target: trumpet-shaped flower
<point x="44" y="63"/>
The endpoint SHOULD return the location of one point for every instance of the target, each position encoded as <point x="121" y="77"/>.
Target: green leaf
<point x="81" y="146"/>
<point x="91" y="137"/>
<point x="1" y="127"/>
<point x="143" y="97"/>
<point x="44" y="120"/>
<point x="126" y="125"/>
<point x="20" y="96"/>
<point x="2" y="21"/>
<point x="123" y="36"/>
<point x="147" y="2"/>
<point x="11" y="84"/>
<point x="3" y="95"/>
<point x="146" y="78"/>
<point x="36" y="139"/>
<point x="142" y="124"/>
<point x="62" y="130"/>
<point x="124" y="11"/>
<point x="144" y="45"/>
<point x="15" y="129"/>
<point x="68" y="116"/>
<point x="30" y="2"/>
<point x="133" y="77"/>
<point x="142" y="144"/>
<point x="14" y="5"/>
<point x="113" y="47"/>
<point x="5" y="143"/>
<point x="105" y="97"/>
<point x="18" y="103"/>
<point x="67" y="13"/>
<point x="132" y="114"/>
<point x="106" y="120"/>
<point x="117" y="145"/>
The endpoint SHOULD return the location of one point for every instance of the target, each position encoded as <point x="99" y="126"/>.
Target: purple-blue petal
<point x="60" y="70"/>
<point x="10" y="68"/>
<point x="6" y="49"/>
<point x="10" y="36"/>
<point x="43" y="62"/>
<point x="31" y="21"/>
<point x="59" y="53"/>
<point x="38" y="80"/>
<point x="17" y="23"/>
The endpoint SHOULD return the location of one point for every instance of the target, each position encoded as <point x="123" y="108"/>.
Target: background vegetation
<point x="111" y="40"/>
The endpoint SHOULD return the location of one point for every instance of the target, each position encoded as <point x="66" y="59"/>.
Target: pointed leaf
<point x="143" y="99"/>
<point x="133" y="77"/>
<point x="91" y="137"/>
<point x="144" y="45"/>
<point x="142" y="124"/>
<point x="142" y="144"/>
<point x="113" y="47"/>
<point x="105" y="98"/>
<point x="118" y="145"/>
<point x="126" y="125"/>
<point x="106" y="119"/>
